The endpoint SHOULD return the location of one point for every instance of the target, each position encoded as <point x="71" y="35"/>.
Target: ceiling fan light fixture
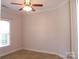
<point x="27" y="1"/>
<point x="27" y="8"/>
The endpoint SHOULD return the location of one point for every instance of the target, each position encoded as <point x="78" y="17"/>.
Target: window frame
<point x="8" y="43"/>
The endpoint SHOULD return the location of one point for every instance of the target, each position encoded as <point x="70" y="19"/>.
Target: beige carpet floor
<point x="24" y="54"/>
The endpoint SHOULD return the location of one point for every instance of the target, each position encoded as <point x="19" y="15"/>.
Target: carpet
<point x="25" y="54"/>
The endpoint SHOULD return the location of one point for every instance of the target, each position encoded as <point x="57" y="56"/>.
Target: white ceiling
<point x="48" y="4"/>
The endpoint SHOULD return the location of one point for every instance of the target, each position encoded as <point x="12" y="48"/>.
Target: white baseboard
<point x="8" y="52"/>
<point x="54" y="53"/>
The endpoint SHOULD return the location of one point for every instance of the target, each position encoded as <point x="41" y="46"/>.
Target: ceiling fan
<point x="28" y="6"/>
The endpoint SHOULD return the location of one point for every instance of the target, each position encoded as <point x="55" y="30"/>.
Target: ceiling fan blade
<point x="16" y="3"/>
<point x="33" y="9"/>
<point x="38" y="5"/>
<point x="4" y="6"/>
<point x="20" y="9"/>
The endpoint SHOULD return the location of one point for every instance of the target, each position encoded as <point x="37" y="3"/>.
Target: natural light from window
<point x="4" y="33"/>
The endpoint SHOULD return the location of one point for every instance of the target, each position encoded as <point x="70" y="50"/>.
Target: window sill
<point x="4" y="46"/>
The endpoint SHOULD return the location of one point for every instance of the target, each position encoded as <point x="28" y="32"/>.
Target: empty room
<point x="39" y="29"/>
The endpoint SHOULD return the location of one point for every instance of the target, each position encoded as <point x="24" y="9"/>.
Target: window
<point x="4" y="33"/>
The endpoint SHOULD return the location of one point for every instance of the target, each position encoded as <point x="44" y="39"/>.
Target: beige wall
<point x="15" y="22"/>
<point x="48" y="31"/>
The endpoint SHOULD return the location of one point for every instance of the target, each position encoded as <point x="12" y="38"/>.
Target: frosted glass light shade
<point x="27" y="8"/>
